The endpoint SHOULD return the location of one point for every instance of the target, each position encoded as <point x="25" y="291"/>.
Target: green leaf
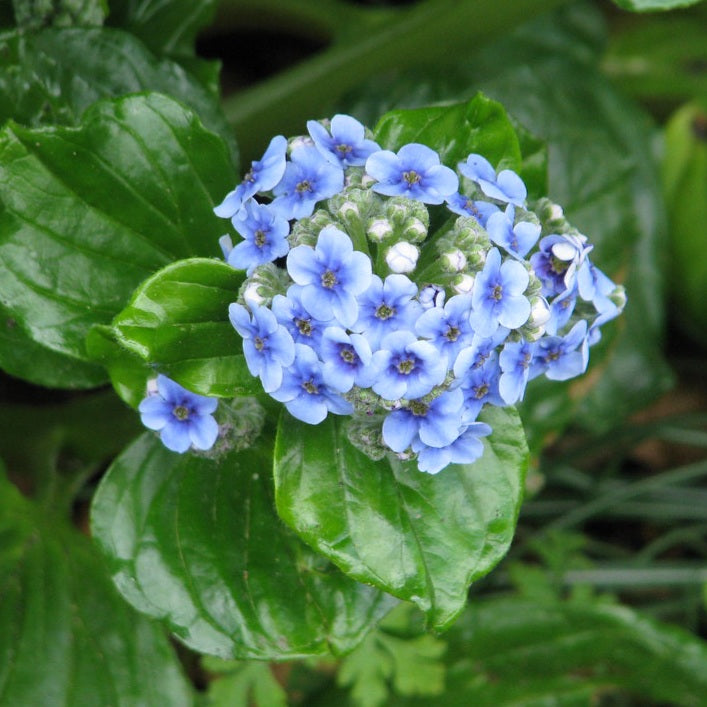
<point x="419" y="537"/>
<point x="520" y="652"/>
<point x="195" y="542"/>
<point x="177" y="321"/>
<point x="243" y="685"/>
<point x="653" y="5"/>
<point x="168" y="28"/>
<point x="53" y="76"/>
<point x="479" y="125"/>
<point x="36" y="14"/>
<point x="66" y="636"/>
<point x="87" y="213"/>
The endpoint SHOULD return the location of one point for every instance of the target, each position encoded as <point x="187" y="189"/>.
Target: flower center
<point x="258" y="343"/>
<point x="384" y="312"/>
<point x="304" y="326"/>
<point x="525" y="361"/>
<point x="406" y="366"/>
<point x="497" y="293"/>
<point x="328" y="279"/>
<point x="303" y="186"/>
<point x="344" y="148"/>
<point x="559" y="267"/>
<point x="348" y="354"/>
<point x="260" y="238"/>
<point x="412" y="177"/>
<point x="181" y="412"/>
<point x="418" y="408"/>
<point x="481" y="391"/>
<point x="310" y="387"/>
<point x="249" y="177"/>
<point x="452" y="333"/>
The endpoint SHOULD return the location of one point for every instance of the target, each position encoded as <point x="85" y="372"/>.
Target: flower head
<point x="507" y="186"/>
<point x="183" y="418"/>
<point x="415" y="172"/>
<point x="344" y="144"/>
<point x="517" y="239"/>
<point x="264" y="237"/>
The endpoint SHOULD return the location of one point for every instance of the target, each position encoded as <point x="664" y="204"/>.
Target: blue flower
<point x="515" y="361"/>
<point x="507" y="186"/>
<point x="518" y="239"/>
<point x="304" y="391"/>
<point x="414" y="172"/>
<point x="436" y="423"/>
<point x="558" y="357"/>
<point x="481" y="350"/>
<point x="595" y="287"/>
<point x="498" y="298"/>
<point x="344" y="144"/>
<point x="265" y="237"/>
<point x="183" y="418"/>
<point x="308" y="178"/>
<point x="448" y="327"/>
<point x="561" y="309"/>
<point x="408" y="367"/>
<point x="387" y="306"/>
<point x="557" y="261"/>
<point x="263" y="175"/>
<point x="331" y="275"/>
<point x="465" y="449"/>
<point x="290" y="312"/>
<point x="267" y="345"/>
<point x="347" y="360"/>
<point x="464" y="206"/>
<point x="480" y="386"/>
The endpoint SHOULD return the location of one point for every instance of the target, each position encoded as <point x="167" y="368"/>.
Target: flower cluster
<point x="350" y="307"/>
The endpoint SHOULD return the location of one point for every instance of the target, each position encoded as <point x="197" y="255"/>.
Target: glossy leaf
<point x="195" y="541"/>
<point x="420" y="537"/>
<point x="177" y="321"/>
<point x="88" y="213"/>
<point x="66" y="636"/>
<point x="53" y="76"/>
<point x="480" y="125"/>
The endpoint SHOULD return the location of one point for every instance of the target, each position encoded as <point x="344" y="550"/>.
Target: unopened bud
<point x="463" y="284"/>
<point x="402" y="257"/>
<point x="379" y="229"/>
<point x="454" y="261"/>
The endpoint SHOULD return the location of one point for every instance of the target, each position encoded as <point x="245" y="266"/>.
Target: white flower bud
<point x="431" y="296"/>
<point x="379" y="229"/>
<point x="300" y="141"/>
<point x="463" y="284"/>
<point x="454" y="261"/>
<point x="556" y="212"/>
<point x="367" y="180"/>
<point x="416" y="228"/>
<point x="349" y="208"/>
<point x="402" y="257"/>
<point x="539" y="312"/>
<point x="152" y="386"/>
<point x="252" y="294"/>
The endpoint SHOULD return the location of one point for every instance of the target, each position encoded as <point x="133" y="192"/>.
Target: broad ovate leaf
<point x="420" y="537"/>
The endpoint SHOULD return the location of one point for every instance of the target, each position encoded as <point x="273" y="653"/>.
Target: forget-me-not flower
<point x="331" y="275"/>
<point x="515" y="361"/>
<point x="308" y="179"/>
<point x="507" y="186"/>
<point x="347" y="360"/>
<point x="448" y="327"/>
<point x="560" y="357"/>
<point x="183" y="419"/>
<point x="517" y="239"/>
<point x="344" y="144"/>
<point x="414" y="172"/>
<point x="465" y="449"/>
<point x="464" y="206"/>
<point x="267" y="345"/>
<point x="290" y="312"/>
<point x="263" y="175"/>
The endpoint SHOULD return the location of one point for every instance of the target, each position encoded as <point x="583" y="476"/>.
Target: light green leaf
<point x="243" y="685"/>
<point x="66" y="636"/>
<point x="419" y="537"/>
<point x="195" y="541"/>
<point x="88" y="213"/>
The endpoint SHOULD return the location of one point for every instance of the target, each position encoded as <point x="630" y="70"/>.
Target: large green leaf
<point x="66" y="636"/>
<point x="87" y="213"/>
<point x="177" y="321"/>
<point x="195" y="541"/>
<point x="420" y="537"/>
<point x="53" y="76"/>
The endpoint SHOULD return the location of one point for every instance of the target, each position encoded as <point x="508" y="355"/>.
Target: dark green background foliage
<point x="286" y="543"/>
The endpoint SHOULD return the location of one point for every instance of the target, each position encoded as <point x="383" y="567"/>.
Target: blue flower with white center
<point x="263" y="175"/>
<point x="344" y="144"/>
<point x="387" y="306"/>
<point x="331" y="275"/>
<point x="515" y="361"/>
<point x="558" y="357"/>
<point x="436" y="423"/>
<point x="265" y="237"/>
<point x="290" y="312"/>
<point x="480" y="386"/>
<point x="507" y="186"/>
<point x="465" y="449"/>
<point x="414" y="172"/>
<point x="464" y="206"/>
<point x="448" y="327"/>
<point x="308" y="179"/>
<point x="498" y="299"/>
<point x="184" y="419"/>
<point x="347" y="360"/>
<point x="408" y="367"/>
<point x="557" y="261"/>
<point x="267" y="345"/>
<point x="304" y="391"/>
<point x="517" y="239"/>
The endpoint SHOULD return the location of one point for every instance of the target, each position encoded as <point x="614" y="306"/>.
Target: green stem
<point x="431" y="31"/>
